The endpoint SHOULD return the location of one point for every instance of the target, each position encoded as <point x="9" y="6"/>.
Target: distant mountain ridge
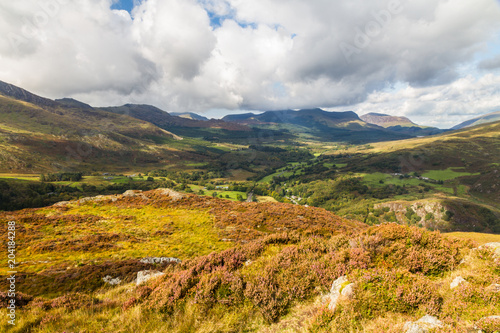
<point x="484" y="119"/>
<point x="189" y="115"/>
<point x="386" y="120"/>
<point x="400" y="124"/>
<point x="344" y="126"/>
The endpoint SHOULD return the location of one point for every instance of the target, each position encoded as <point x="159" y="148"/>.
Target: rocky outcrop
<point x="341" y="289"/>
<point x="159" y="260"/>
<point x="488" y="324"/>
<point x="457" y="282"/>
<point x="495" y="247"/>
<point x="423" y="325"/>
<point x="112" y="281"/>
<point x="144" y="276"/>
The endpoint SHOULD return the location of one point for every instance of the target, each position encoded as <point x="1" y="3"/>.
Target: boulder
<point x="134" y="194"/>
<point x="175" y="196"/>
<point x="159" y="260"/>
<point x="113" y="282"/>
<point x="488" y="324"/>
<point x="493" y="246"/>
<point x="457" y="281"/>
<point x="423" y="325"/>
<point x="341" y="289"/>
<point x="144" y="276"/>
<point x="494" y="288"/>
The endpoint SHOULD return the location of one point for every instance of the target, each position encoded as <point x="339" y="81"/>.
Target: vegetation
<point x="280" y="262"/>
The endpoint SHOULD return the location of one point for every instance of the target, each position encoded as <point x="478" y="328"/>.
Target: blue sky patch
<point x="127" y="5"/>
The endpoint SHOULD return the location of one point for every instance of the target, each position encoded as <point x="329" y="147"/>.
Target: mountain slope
<point x="385" y="120"/>
<point x="38" y="134"/>
<point x="319" y="124"/>
<point x="487" y="118"/>
<point x="399" y="124"/>
<point x="189" y="115"/>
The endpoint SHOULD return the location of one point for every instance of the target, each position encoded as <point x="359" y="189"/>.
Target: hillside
<point x="386" y="120"/>
<point x="189" y="115"/>
<point x="209" y="265"/>
<point x="487" y="118"/>
<point x="319" y="125"/>
<point x="399" y="124"/>
<point x="38" y="134"/>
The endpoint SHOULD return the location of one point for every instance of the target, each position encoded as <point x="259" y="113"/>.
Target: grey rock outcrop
<point x="144" y="276"/>
<point x="457" y="282"/>
<point x="423" y="325"/>
<point x="112" y="281"/>
<point x="159" y="260"/>
<point x="341" y="289"/>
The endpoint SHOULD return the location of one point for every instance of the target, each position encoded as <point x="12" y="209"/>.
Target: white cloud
<point x="264" y="54"/>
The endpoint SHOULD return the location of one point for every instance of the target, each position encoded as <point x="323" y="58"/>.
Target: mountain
<point x="38" y="134"/>
<point x="207" y="130"/>
<point x="399" y="124"/>
<point x="318" y="124"/>
<point x="487" y="118"/>
<point x="386" y="120"/>
<point x="189" y="115"/>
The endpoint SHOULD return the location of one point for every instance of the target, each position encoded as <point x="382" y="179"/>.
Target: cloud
<point x="188" y="55"/>
<point x="490" y="64"/>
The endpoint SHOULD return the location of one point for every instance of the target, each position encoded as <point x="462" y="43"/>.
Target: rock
<point x="341" y="289"/>
<point x="423" y="325"/>
<point x="348" y="291"/>
<point x="144" y="276"/>
<point x="61" y="203"/>
<point x="493" y="246"/>
<point x="175" y="196"/>
<point x="458" y="281"/>
<point x="109" y="280"/>
<point x="159" y="260"/>
<point x="135" y="194"/>
<point x="488" y="324"/>
<point x="494" y="288"/>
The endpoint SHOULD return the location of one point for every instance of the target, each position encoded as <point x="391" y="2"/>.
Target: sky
<point x="434" y="61"/>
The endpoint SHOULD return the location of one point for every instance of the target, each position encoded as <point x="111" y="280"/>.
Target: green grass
<point x="447" y="174"/>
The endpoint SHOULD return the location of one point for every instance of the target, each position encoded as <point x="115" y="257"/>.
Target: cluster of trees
<point x="61" y="177"/>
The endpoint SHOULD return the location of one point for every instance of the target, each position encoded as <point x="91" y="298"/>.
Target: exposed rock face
<point x="159" y="260"/>
<point x="493" y="246"/>
<point x="144" y="276"/>
<point x="109" y="280"/>
<point x="175" y="196"/>
<point x="421" y="208"/>
<point x="341" y="289"/>
<point x="423" y="325"/>
<point x="488" y="324"/>
<point x="494" y="288"/>
<point x="458" y="281"/>
<point x="134" y="194"/>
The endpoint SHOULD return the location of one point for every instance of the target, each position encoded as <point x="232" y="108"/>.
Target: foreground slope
<point x="245" y="268"/>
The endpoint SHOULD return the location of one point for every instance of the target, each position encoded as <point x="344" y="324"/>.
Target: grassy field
<point x="447" y="174"/>
<point x="479" y="238"/>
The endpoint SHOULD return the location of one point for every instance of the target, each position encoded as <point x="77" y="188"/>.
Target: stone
<point x="113" y="282"/>
<point x="457" y="281"/>
<point x="493" y="246"/>
<point x="144" y="276"/>
<point x="159" y="260"/>
<point x="134" y="194"/>
<point x="494" y="288"/>
<point x="341" y="289"/>
<point x="175" y="196"/>
<point x="423" y="325"/>
<point x="488" y="324"/>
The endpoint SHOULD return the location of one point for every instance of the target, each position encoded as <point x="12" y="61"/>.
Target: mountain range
<point x="484" y="119"/>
